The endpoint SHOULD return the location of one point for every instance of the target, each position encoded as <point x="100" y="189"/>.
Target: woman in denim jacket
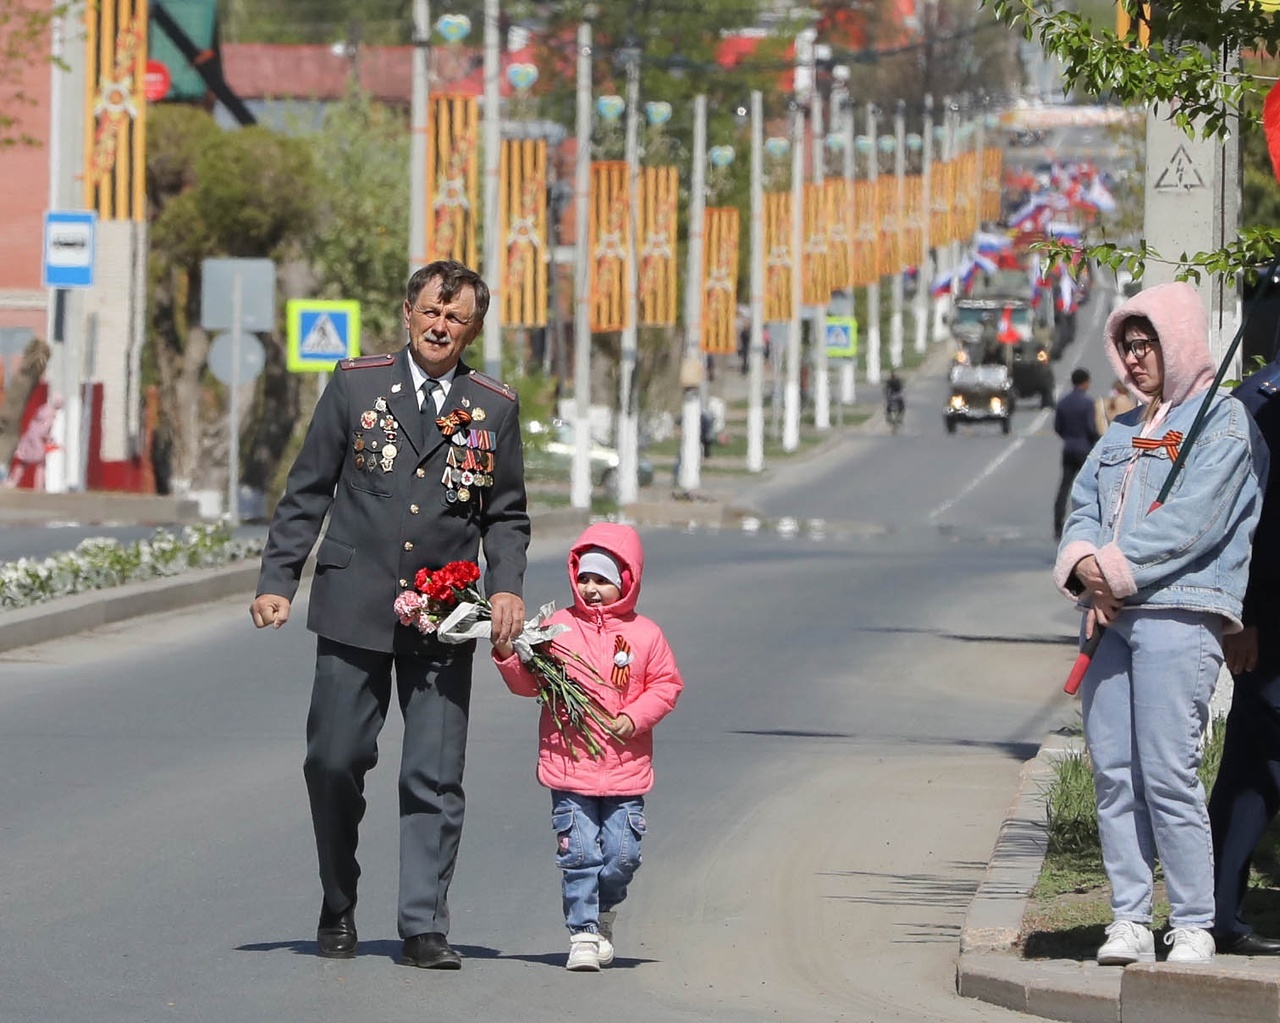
<point x="1166" y="583"/>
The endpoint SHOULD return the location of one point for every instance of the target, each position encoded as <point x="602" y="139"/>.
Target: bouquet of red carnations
<point x="446" y="603"/>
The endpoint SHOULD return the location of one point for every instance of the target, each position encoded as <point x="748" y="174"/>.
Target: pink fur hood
<point x="1178" y="315"/>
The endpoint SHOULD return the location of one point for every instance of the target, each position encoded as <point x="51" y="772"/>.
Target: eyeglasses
<point x="1138" y="347"/>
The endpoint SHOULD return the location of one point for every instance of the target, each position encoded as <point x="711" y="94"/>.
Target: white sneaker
<point x="605" y="944"/>
<point x="584" y="952"/>
<point x="1190" y="945"/>
<point x="1127" y="942"/>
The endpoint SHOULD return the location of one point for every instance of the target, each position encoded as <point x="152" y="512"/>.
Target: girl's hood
<point x="1178" y="315"/>
<point x="623" y="543"/>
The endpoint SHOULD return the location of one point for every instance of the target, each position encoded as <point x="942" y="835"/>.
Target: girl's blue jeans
<point x="597" y="851"/>
<point x="1146" y="704"/>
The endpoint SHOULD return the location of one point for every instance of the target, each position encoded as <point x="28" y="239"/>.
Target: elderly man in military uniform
<point x="416" y="460"/>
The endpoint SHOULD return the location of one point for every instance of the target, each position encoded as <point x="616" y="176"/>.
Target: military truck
<point x="1002" y="331"/>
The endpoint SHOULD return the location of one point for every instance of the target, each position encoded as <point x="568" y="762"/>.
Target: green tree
<point x="24" y="45"/>
<point x="246" y="193"/>
<point x="1180" y="71"/>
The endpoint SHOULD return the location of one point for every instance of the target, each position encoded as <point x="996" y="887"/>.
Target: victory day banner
<point x="913" y="198"/>
<point x="992" y="176"/>
<point x="659" y="193"/>
<point x="866" y="247"/>
<point x="887" y="218"/>
<point x="839" y="217"/>
<point x="942" y="189"/>
<point x="777" y="259"/>
<point x="817" y="280"/>
<point x="720" y="280"/>
<point x="608" y="242"/>
<point x="116" y="109"/>
<point x="452" y="178"/>
<point x="522" y="177"/>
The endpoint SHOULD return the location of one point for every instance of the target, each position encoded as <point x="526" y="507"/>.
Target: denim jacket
<point x="1193" y="551"/>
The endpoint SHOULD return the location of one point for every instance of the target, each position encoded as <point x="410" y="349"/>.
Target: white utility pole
<point x="580" y="474"/>
<point x="791" y="392"/>
<point x="492" y="161"/>
<point x="849" y="367"/>
<point x="694" y="365"/>
<point x="755" y="350"/>
<point x="418" y="139"/>
<point x="873" y="289"/>
<point x="899" y="223"/>
<point x="628" y="420"/>
<point x="924" y="275"/>
<point x="821" y="385"/>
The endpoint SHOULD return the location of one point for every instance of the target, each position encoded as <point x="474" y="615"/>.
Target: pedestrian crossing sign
<point x="842" y="337"/>
<point x="321" y="333"/>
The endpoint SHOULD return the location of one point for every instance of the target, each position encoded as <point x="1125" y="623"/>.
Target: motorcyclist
<point x="894" y="401"/>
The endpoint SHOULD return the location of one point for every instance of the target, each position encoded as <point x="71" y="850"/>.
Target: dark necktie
<point x="428" y="389"/>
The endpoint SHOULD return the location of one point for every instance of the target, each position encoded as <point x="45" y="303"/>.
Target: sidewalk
<point x="991" y="968"/>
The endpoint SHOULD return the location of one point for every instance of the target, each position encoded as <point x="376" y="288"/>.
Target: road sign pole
<point x="233" y="411"/>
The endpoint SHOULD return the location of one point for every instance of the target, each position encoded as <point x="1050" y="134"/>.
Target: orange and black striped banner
<point x="911" y="229"/>
<point x="866" y="238"/>
<point x="992" y="176"/>
<point x="720" y="280"/>
<point x="609" y="245"/>
<point x="887" y="216"/>
<point x="452" y="178"/>
<point x="839" y="217"/>
<point x="942" y="195"/>
<point x="965" y="218"/>
<point x="115" y="141"/>
<point x="817" y="280"/>
<point x="659" y="196"/>
<point x="522" y="177"/>
<point x="777" y="259"/>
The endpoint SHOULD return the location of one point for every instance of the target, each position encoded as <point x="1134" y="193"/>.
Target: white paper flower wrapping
<point x="469" y="621"/>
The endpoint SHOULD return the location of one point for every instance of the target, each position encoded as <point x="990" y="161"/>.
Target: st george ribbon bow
<point x="1169" y="442"/>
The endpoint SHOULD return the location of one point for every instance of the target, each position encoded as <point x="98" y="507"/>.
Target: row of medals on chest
<point x="471" y="466"/>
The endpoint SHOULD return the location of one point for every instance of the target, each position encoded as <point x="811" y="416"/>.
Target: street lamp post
<point x="628" y="421"/>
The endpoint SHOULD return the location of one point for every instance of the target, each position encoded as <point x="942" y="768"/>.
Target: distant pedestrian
<point x="33" y="447"/>
<point x="597" y="804"/>
<point x="1166" y="582"/>
<point x="1076" y="422"/>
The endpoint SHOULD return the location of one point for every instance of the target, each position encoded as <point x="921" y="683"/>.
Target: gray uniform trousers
<point x="349" y="703"/>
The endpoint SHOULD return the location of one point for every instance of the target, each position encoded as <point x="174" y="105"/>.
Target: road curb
<point x="54" y="619"/>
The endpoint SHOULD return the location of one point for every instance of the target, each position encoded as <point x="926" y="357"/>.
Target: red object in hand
<point x="1083" y="661"/>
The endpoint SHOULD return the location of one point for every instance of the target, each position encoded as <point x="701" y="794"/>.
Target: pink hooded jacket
<point x="646" y="692"/>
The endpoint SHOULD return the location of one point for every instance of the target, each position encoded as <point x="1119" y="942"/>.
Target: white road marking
<point x="991" y="467"/>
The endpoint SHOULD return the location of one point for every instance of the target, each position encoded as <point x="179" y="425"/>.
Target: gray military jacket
<point x="401" y="493"/>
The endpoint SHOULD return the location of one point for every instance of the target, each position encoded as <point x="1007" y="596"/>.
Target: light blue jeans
<point x="1146" y="703"/>
<point x="597" y="851"/>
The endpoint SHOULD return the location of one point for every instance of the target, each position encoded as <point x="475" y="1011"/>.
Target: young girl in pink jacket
<point x="597" y="805"/>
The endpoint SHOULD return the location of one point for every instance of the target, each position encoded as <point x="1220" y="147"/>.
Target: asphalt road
<point x="866" y="673"/>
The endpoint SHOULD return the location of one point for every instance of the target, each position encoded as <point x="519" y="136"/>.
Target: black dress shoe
<point x="336" y="933"/>
<point x="431" y="952"/>
<point x="1248" y="945"/>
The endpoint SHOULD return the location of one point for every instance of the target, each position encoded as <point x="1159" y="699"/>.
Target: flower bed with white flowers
<point x="100" y="562"/>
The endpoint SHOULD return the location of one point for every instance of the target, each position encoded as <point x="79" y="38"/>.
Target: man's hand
<point x="1241" y="650"/>
<point x="508" y="618"/>
<point x="269" y="609"/>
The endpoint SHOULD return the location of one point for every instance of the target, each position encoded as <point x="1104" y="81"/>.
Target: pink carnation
<point x="408" y="606"/>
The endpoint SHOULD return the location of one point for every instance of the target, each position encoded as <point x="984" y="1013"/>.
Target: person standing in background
<point x="1076" y="422"/>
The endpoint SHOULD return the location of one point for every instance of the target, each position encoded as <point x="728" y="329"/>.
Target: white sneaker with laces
<point x="1127" y="942"/>
<point x="1189" y="945"/>
<point x="584" y="952"/>
<point x="605" y="944"/>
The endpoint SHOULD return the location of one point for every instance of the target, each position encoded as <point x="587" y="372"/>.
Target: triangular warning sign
<point x="1180" y="174"/>
<point x="323" y="339"/>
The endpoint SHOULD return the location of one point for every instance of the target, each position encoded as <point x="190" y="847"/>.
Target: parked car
<point x="549" y="448"/>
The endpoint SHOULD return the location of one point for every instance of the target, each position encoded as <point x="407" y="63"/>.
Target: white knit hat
<point x="600" y="562"/>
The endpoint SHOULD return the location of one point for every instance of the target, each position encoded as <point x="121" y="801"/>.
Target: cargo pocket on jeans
<point x="630" y="851"/>
<point x="569" y="851"/>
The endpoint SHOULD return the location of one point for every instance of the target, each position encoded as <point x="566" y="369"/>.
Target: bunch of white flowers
<point x="101" y="562"/>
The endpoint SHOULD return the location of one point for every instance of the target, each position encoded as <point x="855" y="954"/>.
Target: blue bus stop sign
<point x="68" y="248"/>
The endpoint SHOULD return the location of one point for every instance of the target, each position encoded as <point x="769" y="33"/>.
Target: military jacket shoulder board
<point x="497" y="386"/>
<point x="366" y="362"/>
